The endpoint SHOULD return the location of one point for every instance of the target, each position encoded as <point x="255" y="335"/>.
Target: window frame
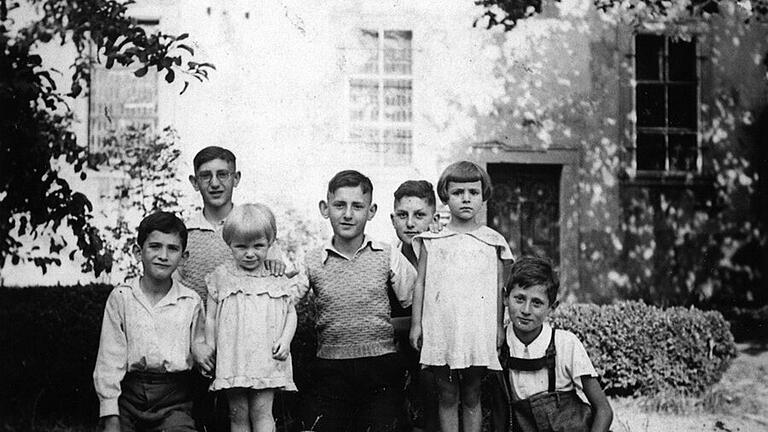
<point x="633" y="129"/>
<point x="117" y="121"/>
<point x="381" y="147"/>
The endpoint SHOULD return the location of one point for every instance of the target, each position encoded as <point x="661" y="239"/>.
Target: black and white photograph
<point x="383" y="215"/>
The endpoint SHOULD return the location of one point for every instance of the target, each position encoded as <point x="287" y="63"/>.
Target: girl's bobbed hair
<point x="463" y="172"/>
<point x="249" y="221"/>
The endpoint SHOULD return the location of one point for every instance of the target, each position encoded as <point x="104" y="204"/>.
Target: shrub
<point x="641" y="349"/>
<point x="748" y="323"/>
<point x="49" y="340"/>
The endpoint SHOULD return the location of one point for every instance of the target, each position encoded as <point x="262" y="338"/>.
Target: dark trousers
<point x="156" y="402"/>
<point x="551" y="412"/>
<point x="210" y="409"/>
<point x="351" y="395"/>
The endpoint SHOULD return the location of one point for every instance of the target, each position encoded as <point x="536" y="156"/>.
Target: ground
<point x="738" y="403"/>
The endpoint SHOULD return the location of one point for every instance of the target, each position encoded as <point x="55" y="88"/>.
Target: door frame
<point x="569" y="200"/>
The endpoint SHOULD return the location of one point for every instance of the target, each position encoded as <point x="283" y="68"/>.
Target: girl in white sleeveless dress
<point x="457" y="305"/>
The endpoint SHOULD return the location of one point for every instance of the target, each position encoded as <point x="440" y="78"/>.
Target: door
<point x="525" y="207"/>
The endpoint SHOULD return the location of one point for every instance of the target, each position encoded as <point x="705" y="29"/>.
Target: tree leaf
<point x="186" y="47"/>
<point x="141" y="71"/>
<point x="170" y="76"/>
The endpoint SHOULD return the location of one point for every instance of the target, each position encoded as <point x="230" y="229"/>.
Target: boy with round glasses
<point x="215" y="178"/>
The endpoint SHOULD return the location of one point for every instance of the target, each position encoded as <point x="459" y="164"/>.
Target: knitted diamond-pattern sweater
<point x="352" y="303"/>
<point x="207" y="250"/>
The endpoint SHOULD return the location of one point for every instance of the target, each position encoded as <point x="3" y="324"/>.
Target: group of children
<point x="215" y="310"/>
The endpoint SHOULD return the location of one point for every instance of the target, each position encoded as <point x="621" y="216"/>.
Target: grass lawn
<point x="739" y="402"/>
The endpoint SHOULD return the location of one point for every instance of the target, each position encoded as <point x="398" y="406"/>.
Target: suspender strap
<point x="550" y="356"/>
<point x="548" y="362"/>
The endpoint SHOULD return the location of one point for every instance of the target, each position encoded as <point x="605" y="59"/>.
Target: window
<point x="380" y="94"/>
<point x="119" y="99"/>
<point x="666" y="97"/>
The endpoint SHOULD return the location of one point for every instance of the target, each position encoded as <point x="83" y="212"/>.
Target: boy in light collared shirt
<point x="143" y="370"/>
<point x="551" y="382"/>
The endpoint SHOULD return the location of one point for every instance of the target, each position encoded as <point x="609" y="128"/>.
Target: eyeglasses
<point x="206" y="177"/>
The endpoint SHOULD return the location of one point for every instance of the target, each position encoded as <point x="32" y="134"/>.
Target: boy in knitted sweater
<point x="358" y="375"/>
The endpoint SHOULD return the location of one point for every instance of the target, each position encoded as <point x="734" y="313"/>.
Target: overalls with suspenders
<point x="546" y="411"/>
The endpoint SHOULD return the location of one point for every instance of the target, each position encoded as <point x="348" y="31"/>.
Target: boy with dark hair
<point x="414" y="211"/>
<point x="550" y="379"/>
<point x="143" y="369"/>
<point x="358" y="376"/>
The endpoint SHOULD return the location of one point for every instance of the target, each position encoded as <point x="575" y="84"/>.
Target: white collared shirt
<point x="137" y="336"/>
<point x="572" y="362"/>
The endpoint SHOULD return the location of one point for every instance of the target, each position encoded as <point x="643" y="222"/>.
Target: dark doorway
<point x="525" y="207"/>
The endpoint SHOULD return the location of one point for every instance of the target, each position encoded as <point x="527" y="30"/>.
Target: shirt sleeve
<point x="299" y="285"/>
<point x="197" y="334"/>
<point x="112" y="359"/>
<point x="403" y="277"/>
<point x="580" y="365"/>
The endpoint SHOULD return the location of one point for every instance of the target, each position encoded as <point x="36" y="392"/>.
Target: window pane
<point x="398" y="140"/>
<point x="363" y="100"/>
<point x="397" y="52"/>
<point x="650" y="105"/>
<point x="364" y="135"/>
<point x="682" y="106"/>
<point x="682" y="60"/>
<point x="364" y="54"/>
<point x="682" y="152"/>
<point x="648" y="57"/>
<point x="118" y="99"/>
<point x="397" y="100"/>
<point x="650" y="152"/>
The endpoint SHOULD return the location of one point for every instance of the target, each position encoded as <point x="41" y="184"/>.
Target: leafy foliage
<point x="639" y="349"/>
<point x="507" y="13"/>
<point x="147" y="164"/>
<point x="36" y="127"/>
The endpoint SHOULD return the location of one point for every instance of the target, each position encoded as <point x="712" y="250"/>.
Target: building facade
<point x="625" y="154"/>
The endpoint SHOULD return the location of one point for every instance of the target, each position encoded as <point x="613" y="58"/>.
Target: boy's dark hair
<point x="213" y="152"/>
<point x="463" y="172"/>
<point x="350" y="178"/>
<point x="530" y="271"/>
<point x="417" y="188"/>
<point x="164" y="222"/>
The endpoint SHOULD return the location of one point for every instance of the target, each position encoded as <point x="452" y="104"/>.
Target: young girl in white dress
<point x="250" y="321"/>
<point x="457" y="318"/>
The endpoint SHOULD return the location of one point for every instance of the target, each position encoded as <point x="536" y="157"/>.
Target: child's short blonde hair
<point x="248" y="221"/>
<point x="463" y="172"/>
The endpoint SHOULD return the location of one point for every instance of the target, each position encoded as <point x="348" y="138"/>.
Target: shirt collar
<point x="176" y="293"/>
<point x="328" y="248"/>
<point x="199" y="222"/>
<point x="537" y="347"/>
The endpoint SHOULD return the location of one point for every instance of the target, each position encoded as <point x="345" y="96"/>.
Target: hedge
<point x="639" y="349"/>
<point x="49" y="338"/>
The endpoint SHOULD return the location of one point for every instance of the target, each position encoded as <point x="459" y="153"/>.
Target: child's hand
<point x="415" y="336"/>
<point x="205" y="358"/>
<point x="275" y="267"/>
<point x="281" y="349"/>
<point x="435" y="226"/>
<point x="110" y="424"/>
